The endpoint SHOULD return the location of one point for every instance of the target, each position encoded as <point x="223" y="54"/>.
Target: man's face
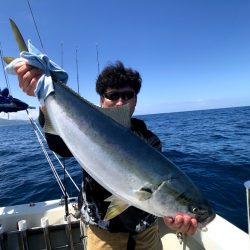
<point x="119" y="97"/>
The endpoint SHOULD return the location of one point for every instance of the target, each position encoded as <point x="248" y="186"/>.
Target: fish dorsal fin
<point x="120" y="114"/>
<point x="115" y="208"/>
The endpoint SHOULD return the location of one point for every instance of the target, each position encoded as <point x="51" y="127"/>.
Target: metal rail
<point x="60" y="236"/>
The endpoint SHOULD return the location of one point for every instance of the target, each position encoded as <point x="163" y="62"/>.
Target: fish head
<point x="201" y="211"/>
<point x="169" y="201"/>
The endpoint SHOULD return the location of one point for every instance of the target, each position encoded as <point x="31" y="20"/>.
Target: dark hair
<point x="117" y="76"/>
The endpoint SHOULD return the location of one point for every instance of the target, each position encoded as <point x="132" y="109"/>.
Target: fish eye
<point x="195" y="210"/>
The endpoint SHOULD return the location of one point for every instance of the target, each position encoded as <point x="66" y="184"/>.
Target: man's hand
<point x="28" y="77"/>
<point x="182" y="223"/>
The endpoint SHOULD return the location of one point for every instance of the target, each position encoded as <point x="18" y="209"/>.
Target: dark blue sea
<point x="212" y="147"/>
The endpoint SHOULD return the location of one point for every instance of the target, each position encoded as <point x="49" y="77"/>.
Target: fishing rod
<point x="35" y="25"/>
<point x="46" y="154"/>
<point x="64" y="167"/>
<point x="77" y="75"/>
<point x="57" y="177"/>
<point x="62" y="54"/>
<point x="97" y="59"/>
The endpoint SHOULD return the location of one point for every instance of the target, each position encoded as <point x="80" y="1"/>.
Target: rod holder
<point x="67" y="222"/>
<point x="22" y="227"/>
<point x="45" y="225"/>
<point x="247" y="186"/>
<point x="2" y="247"/>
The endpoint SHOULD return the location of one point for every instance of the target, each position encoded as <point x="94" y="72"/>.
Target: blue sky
<point x="191" y="54"/>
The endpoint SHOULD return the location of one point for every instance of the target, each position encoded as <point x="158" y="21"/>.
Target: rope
<point x="37" y="131"/>
<point x="5" y="75"/>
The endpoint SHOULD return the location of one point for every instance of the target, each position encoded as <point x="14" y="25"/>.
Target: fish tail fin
<point x="8" y="59"/>
<point x="19" y="39"/>
<point x="18" y="36"/>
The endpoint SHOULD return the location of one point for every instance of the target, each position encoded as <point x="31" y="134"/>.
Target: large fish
<point x="134" y="172"/>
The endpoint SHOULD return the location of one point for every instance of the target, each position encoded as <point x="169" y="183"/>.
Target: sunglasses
<point x="115" y="95"/>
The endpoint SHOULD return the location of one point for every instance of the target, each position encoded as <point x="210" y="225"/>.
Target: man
<point x="134" y="228"/>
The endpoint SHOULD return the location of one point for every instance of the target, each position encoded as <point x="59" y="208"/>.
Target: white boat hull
<point x="220" y="234"/>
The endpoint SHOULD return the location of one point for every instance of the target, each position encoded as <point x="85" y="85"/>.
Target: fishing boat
<point x="44" y="225"/>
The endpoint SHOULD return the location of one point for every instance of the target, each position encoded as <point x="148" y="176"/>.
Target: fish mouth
<point x="204" y="220"/>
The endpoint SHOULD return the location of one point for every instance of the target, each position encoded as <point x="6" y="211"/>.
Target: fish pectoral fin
<point x="143" y="194"/>
<point x="146" y="192"/>
<point x="115" y="208"/>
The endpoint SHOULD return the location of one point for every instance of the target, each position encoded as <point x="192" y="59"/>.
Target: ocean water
<point x="212" y="147"/>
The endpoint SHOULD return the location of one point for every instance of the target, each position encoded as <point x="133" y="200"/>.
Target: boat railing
<point x="61" y="236"/>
